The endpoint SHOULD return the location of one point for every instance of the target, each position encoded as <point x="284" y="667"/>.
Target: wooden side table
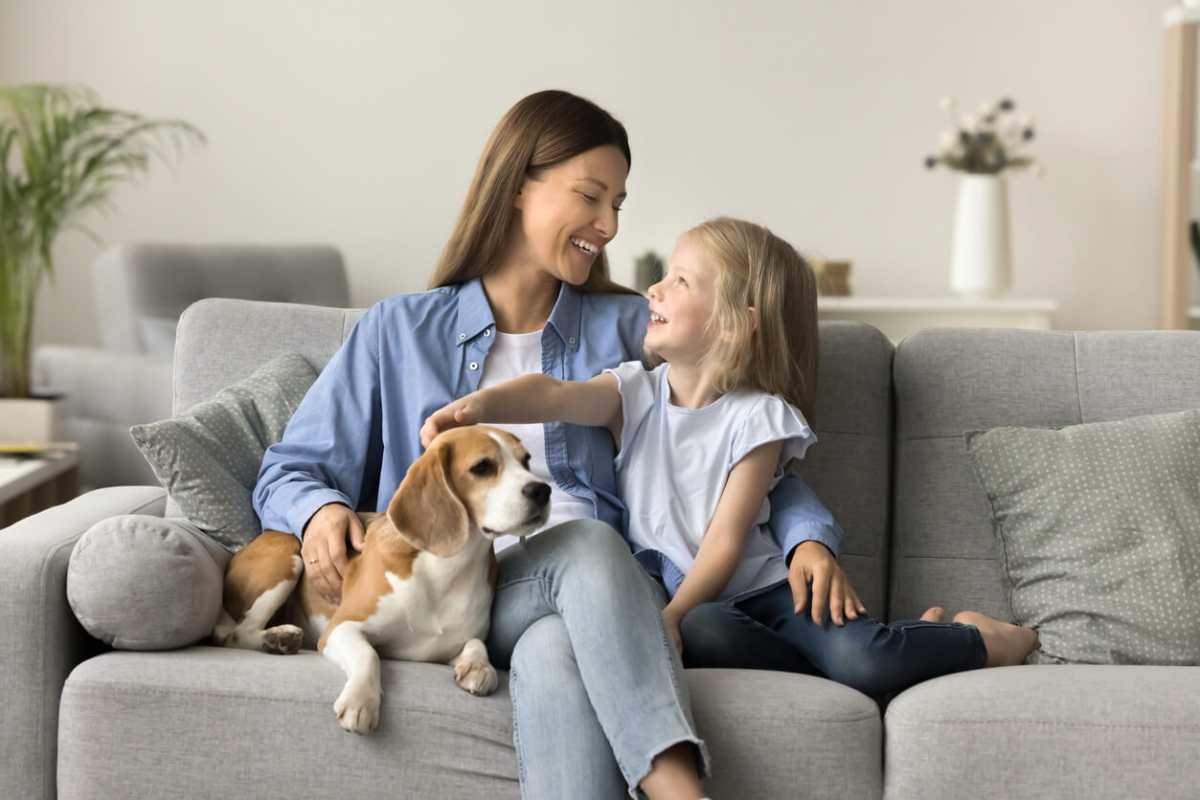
<point x="30" y="485"/>
<point x="899" y="316"/>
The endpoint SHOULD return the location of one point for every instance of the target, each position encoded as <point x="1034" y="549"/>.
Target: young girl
<point x="703" y="438"/>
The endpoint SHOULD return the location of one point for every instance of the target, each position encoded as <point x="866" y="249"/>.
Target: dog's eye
<point x="525" y="461"/>
<point x="484" y="467"/>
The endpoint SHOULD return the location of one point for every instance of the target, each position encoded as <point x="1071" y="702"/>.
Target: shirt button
<point x="571" y="340"/>
<point x="474" y="365"/>
<point x="462" y="336"/>
<point x="487" y="332"/>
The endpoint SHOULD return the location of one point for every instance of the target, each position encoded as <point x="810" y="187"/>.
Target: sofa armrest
<point x="106" y="392"/>
<point x="40" y="639"/>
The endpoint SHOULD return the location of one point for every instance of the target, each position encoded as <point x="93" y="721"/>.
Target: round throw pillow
<point x="140" y="582"/>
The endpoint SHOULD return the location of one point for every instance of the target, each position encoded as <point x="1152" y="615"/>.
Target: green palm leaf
<point x="61" y="155"/>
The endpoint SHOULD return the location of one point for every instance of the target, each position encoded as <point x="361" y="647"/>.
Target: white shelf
<point x="899" y="316"/>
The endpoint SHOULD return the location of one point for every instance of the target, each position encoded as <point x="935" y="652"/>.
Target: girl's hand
<point x="324" y="547"/>
<point x="671" y="623"/>
<point x="467" y="411"/>
<point x="813" y="563"/>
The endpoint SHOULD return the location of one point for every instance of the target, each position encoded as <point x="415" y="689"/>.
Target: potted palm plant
<point x="61" y="155"/>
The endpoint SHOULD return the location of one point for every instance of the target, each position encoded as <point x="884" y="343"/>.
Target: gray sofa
<point x="890" y="464"/>
<point x="141" y="288"/>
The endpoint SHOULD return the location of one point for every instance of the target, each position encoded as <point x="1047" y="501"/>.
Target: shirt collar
<point x="565" y="316"/>
<point x="475" y="315"/>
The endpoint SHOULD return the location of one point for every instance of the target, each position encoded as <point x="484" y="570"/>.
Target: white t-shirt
<point x="511" y="356"/>
<point x="674" y="462"/>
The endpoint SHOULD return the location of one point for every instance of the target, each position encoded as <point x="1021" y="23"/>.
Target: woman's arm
<point x="310" y="482"/>
<point x="812" y="541"/>
<point x="721" y="549"/>
<point x="534" y="398"/>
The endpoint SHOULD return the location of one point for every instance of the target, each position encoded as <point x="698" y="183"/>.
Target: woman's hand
<point x="813" y="563"/>
<point x="467" y="411"/>
<point x="324" y="547"/>
<point x="671" y="622"/>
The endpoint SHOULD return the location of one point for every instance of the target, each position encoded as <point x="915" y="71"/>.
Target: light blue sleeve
<point x="636" y="387"/>
<point x="798" y="516"/>
<point x="332" y="440"/>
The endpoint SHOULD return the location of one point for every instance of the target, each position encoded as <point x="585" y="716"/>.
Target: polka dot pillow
<point x="1099" y="532"/>
<point x="208" y="458"/>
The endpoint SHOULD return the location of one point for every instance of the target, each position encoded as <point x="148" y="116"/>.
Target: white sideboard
<point x="899" y="316"/>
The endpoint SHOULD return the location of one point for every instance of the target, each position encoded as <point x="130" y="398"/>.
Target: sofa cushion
<point x="208" y="457"/>
<point x="158" y="721"/>
<point x="141" y="582"/>
<point x="1099" y="528"/>
<point x="952" y="380"/>
<point x="1035" y="731"/>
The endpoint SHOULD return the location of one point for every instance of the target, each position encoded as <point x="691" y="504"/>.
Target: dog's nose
<point x="537" y="491"/>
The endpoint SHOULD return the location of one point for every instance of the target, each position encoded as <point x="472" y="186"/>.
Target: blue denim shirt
<point x="357" y="430"/>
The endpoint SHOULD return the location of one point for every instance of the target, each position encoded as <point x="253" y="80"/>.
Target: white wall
<point x="359" y="123"/>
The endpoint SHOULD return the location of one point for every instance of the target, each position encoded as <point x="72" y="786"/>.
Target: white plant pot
<point x="31" y="420"/>
<point x="981" y="265"/>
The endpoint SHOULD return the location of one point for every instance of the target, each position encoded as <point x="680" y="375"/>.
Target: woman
<point x="600" y="702"/>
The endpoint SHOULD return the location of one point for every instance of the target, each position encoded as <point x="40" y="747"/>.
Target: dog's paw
<point x="282" y="639"/>
<point x="357" y="708"/>
<point x="476" y="675"/>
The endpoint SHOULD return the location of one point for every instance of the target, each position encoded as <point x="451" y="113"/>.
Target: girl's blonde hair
<point x="756" y="269"/>
<point x="539" y="132"/>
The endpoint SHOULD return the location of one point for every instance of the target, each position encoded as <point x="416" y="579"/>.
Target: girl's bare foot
<point x="935" y="614"/>
<point x="1007" y="644"/>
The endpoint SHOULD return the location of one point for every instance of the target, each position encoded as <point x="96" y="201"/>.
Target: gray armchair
<point x="141" y="289"/>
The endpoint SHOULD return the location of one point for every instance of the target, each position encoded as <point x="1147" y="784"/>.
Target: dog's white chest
<point x="432" y="613"/>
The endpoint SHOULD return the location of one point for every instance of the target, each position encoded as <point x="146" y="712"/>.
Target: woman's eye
<point x="484" y="467"/>
<point x="681" y="280"/>
<point x="587" y="197"/>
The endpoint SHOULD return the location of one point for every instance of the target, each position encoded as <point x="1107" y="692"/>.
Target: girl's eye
<point x="587" y="197"/>
<point x="681" y="280"/>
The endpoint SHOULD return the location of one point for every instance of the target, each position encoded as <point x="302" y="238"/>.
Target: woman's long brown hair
<point x="540" y="131"/>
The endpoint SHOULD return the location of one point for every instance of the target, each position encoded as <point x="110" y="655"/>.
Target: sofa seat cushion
<point x="1047" y="731"/>
<point x="234" y="723"/>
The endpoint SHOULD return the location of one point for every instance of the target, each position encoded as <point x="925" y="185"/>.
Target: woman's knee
<point x="544" y="654"/>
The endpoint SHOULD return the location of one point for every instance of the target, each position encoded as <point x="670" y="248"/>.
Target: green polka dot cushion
<point x="208" y="458"/>
<point x="1099" y="533"/>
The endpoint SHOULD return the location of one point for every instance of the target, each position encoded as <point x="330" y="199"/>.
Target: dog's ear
<point x="426" y="510"/>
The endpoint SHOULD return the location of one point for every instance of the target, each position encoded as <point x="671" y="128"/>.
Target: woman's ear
<point x="519" y="200"/>
<point x="752" y="313"/>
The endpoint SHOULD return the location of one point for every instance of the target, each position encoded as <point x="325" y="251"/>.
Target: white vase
<point x="981" y="265"/>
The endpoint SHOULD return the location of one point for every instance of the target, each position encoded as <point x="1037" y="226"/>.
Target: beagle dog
<point x="420" y="590"/>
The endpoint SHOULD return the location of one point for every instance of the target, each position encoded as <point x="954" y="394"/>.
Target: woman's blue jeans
<point x="597" y="687"/>
<point x="764" y="632"/>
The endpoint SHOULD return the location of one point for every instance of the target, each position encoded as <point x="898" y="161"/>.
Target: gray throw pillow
<point x="208" y="458"/>
<point x="1099" y="531"/>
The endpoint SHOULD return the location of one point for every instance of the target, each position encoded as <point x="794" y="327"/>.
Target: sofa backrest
<point x="222" y="341"/>
<point x="949" y="381"/>
<point x="141" y="288"/>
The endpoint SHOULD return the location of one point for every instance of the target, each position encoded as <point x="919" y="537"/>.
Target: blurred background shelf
<point x="899" y="316"/>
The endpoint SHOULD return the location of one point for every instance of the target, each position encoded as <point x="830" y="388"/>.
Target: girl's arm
<point x="721" y="548"/>
<point x="534" y="398"/>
